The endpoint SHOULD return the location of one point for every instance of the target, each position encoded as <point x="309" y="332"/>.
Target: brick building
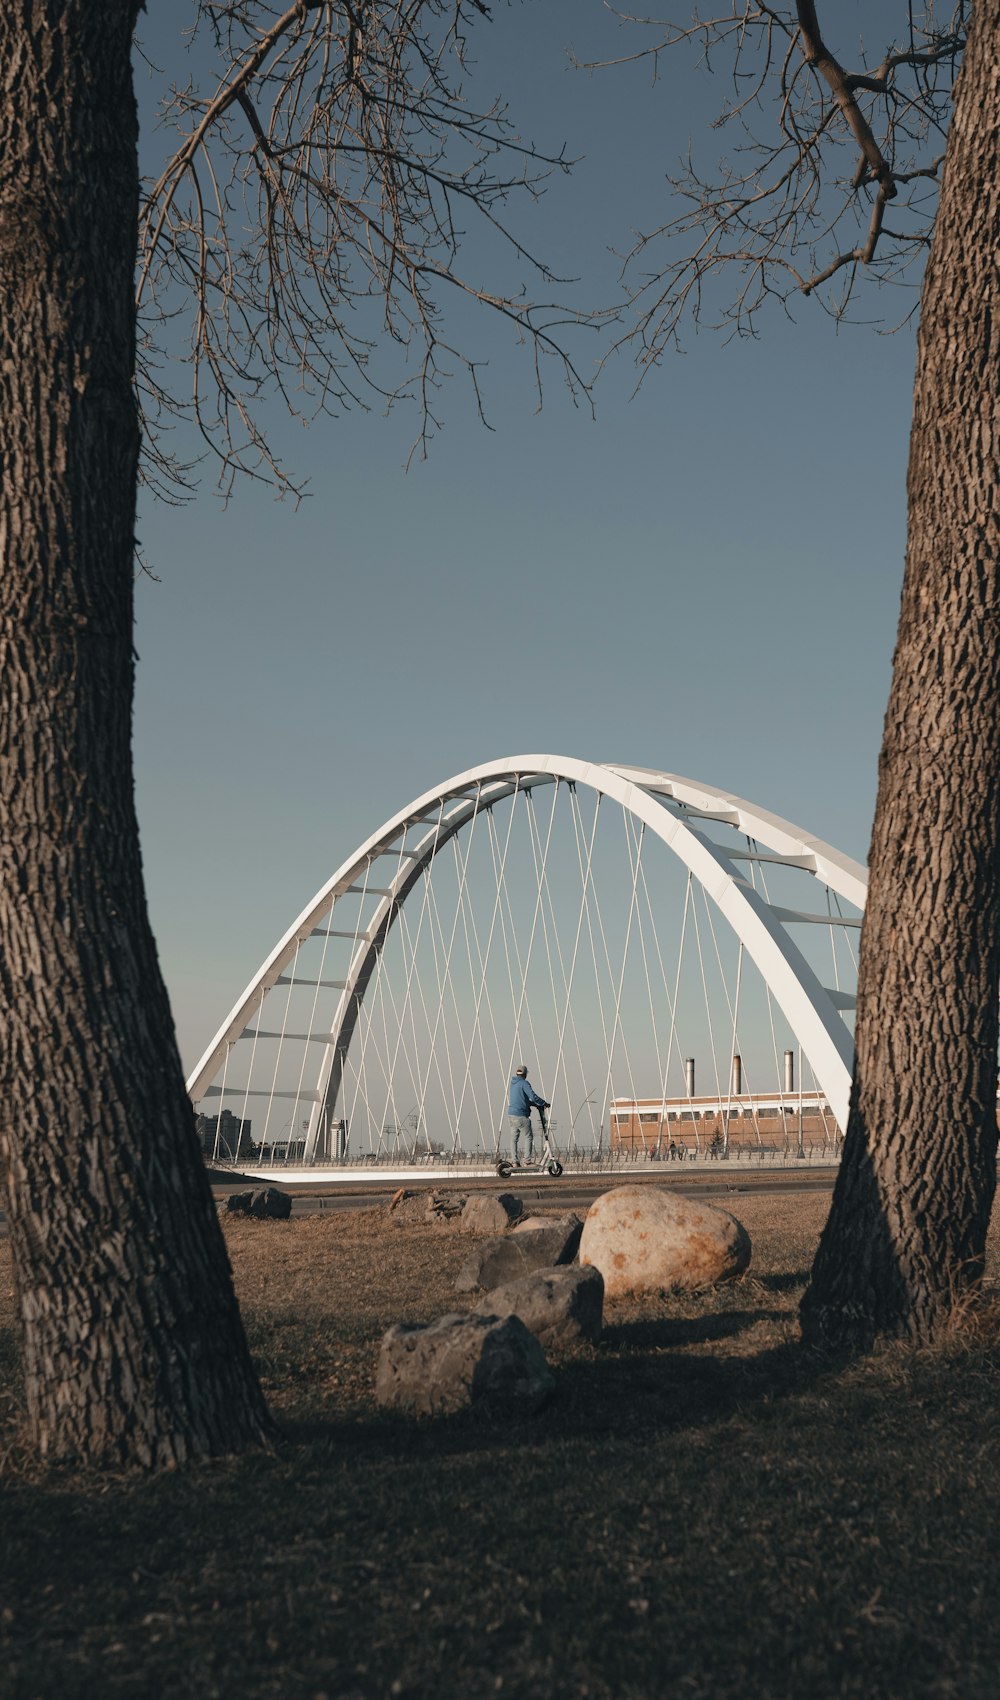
<point x="691" y="1125"/>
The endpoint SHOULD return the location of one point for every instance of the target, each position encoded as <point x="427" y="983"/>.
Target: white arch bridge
<point x="604" y="924"/>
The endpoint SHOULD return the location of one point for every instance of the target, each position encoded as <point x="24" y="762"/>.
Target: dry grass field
<point x="703" y="1511"/>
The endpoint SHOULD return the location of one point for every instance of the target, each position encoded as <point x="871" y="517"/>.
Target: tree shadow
<point x="603" y="1392"/>
<point x="659" y="1333"/>
<point x="670" y="1394"/>
<point x="784" y="1282"/>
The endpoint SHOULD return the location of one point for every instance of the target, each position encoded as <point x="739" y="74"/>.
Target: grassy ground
<point x="704" y="1510"/>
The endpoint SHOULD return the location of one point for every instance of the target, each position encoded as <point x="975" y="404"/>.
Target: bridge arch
<point x="678" y="812"/>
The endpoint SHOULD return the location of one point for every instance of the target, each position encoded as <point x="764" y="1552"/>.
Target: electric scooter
<point x="547" y="1165"/>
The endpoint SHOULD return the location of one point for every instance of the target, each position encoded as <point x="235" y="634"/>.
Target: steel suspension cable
<point x="363" y="1019"/>
<point x="546" y="894"/>
<point x="673" y="1039"/>
<point x="589" y="893"/>
<point x="444" y="982"/>
<point x="538" y="901"/>
<point x="499" y="860"/>
<point x="665" y="1068"/>
<point x="636" y="841"/>
<point x="621" y="979"/>
<point x="290" y="986"/>
<point x="752" y="842"/>
<point x="518" y="995"/>
<point x="576" y="818"/>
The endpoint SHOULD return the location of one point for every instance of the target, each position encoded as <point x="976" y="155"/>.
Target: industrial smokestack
<point x="689" y="1076"/>
<point x="789" y="1072"/>
<point x="737" y="1075"/>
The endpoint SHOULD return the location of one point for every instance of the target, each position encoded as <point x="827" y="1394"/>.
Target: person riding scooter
<point x="523" y="1098"/>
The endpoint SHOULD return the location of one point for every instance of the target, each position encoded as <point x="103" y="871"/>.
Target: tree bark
<point x="905" y="1242"/>
<point x="132" y="1341"/>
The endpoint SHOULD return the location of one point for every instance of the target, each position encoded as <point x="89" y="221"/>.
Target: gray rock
<point x="444" y="1209"/>
<point x="407" y="1209"/>
<point x="271" y="1204"/>
<point x="569" y="1220"/>
<point x="560" y="1306"/>
<point x="490" y="1212"/>
<point x="500" y="1260"/>
<point x="240" y="1202"/>
<point x="648" y="1239"/>
<point x="459" y="1361"/>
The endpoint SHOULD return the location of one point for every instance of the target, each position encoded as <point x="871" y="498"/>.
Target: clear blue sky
<point x="705" y="578"/>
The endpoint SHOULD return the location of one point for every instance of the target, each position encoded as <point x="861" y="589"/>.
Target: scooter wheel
<point x="555" y="1168"/>
<point x="504" y="1170"/>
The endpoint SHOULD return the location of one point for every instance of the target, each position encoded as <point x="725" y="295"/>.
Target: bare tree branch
<point x="310" y="221"/>
<point x="816" y="53"/>
<point x="822" y="150"/>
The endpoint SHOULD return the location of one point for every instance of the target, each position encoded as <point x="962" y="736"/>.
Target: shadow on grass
<point x="604" y="1393"/>
<point x="660" y="1333"/>
<point x="517" y="1548"/>
<point x="786" y="1282"/>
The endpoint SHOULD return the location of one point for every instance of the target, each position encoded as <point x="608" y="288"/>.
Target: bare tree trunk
<point x="133" y="1345"/>
<point x="905" y="1241"/>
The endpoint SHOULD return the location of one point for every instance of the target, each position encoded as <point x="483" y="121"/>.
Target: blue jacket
<point x="522" y="1097"/>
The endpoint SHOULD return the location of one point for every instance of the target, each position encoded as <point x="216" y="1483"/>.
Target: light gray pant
<point x="519" y="1125"/>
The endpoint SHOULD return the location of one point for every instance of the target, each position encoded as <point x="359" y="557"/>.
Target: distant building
<point x="224" y="1137"/>
<point x="716" y="1122"/>
<point x="692" y="1124"/>
<point x="281" y="1151"/>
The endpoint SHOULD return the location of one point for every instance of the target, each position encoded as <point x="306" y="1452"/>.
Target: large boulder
<point x="444" y="1210"/>
<point x="560" y="1306"/>
<point x="648" y="1239"/>
<point x="267" y="1204"/>
<point x="407" y="1209"/>
<point x="490" y="1212"/>
<point x="528" y="1224"/>
<point x="271" y="1204"/>
<point x="459" y="1361"/>
<point x="423" y="1208"/>
<point x="500" y="1260"/>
